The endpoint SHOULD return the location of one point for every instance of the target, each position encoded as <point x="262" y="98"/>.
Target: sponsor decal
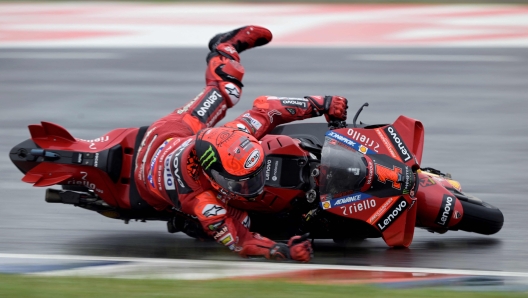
<point x="215" y="226"/>
<point x="358" y="207"/>
<point x="168" y="178"/>
<point x="446" y="210"/>
<point x="363" y="149"/>
<point x="349" y="199"/>
<point x="380" y="211"/>
<point x="294" y="103"/>
<point x="276" y="171"/>
<point x="457" y="215"/>
<point x="370" y="172"/>
<point x="220" y="233"/>
<point x="273" y="113"/>
<point x="94" y="141"/>
<point x="227" y="240"/>
<point x="342" y="139"/>
<point x="408" y="179"/>
<point x="387" y="144"/>
<point x="253" y="122"/>
<point x="215" y="117"/>
<point x="246" y="222"/>
<point x="326" y="205"/>
<point x="208" y="158"/>
<point x="345" y="200"/>
<point x="393" y="175"/>
<point x="291" y="111"/>
<point x="244" y="143"/>
<point x="397" y="142"/>
<point x="426" y="182"/>
<point x="233" y="92"/>
<point x="153" y="161"/>
<point x="268" y="169"/>
<point x="96" y="159"/>
<point x="85" y="182"/>
<point x="182" y="186"/>
<point x="140" y="176"/>
<point x="186" y="107"/>
<point x="252" y="159"/>
<point x="361" y="138"/>
<point x="207" y="106"/>
<point x="273" y="170"/>
<point x="394" y="212"/>
<point x="213" y="210"/>
<point x="243" y="128"/>
<point x="144" y="160"/>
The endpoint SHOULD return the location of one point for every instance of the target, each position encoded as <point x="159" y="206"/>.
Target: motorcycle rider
<point x="185" y="163"/>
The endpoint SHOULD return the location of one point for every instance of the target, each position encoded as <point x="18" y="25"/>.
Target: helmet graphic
<point x="232" y="160"/>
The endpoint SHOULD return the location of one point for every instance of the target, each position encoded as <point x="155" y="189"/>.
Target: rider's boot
<point x="243" y="38"/>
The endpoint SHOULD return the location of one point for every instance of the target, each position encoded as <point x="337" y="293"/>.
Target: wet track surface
<point x="472" y="102"/>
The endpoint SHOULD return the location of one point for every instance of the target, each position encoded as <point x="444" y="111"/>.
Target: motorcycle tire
<point x="480" y="217"/>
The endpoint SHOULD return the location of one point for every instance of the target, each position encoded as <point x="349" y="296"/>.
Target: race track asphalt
<point x="472" y="102"/>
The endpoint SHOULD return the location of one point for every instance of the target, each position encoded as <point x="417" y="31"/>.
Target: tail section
<point x="51" y="132"/>
<point x="54" y="157"/>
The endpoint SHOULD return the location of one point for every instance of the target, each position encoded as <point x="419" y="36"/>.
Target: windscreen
<point x="341" y="170"/>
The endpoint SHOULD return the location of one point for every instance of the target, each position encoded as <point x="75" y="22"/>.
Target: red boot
<point x="242" y="38"/>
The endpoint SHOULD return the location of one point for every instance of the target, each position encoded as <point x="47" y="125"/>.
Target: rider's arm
<point x="223" y="90"/>
<point x="271" y="111"/>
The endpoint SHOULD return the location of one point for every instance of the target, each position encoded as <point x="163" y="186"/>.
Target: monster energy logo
<point x="208" y="158"/>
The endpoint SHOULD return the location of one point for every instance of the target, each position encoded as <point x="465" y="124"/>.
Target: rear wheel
<point x="479" y="217"/>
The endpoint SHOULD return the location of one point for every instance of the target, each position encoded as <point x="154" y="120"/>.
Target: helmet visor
<point x="247" y="187"/>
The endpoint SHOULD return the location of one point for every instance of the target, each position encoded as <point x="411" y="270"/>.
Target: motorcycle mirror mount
<point x="357" y="114"/>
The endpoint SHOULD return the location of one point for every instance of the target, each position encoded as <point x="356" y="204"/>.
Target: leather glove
<point x="333" y="107"/>
<point x="300" y="248"/>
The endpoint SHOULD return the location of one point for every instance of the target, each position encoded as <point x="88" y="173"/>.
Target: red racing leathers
<point x="167" y="170"/>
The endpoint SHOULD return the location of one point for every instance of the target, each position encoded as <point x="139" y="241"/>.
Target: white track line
<point x="439" y="58"/>
<point x="268" y="266"/>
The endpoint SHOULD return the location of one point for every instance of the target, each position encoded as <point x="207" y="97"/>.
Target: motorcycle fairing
<point x="439" y="207"/>
<point x="385" y="199"/>
<point x="402" y="140"/>
<point x="80" y="162"/>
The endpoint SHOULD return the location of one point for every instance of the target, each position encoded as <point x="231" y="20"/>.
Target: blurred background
<point x="462" y="69"/>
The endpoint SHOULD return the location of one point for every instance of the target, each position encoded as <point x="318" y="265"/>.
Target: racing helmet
<point x="232" y="160"/>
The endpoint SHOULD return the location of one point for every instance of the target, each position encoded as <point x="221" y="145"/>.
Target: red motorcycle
<point x="363" y="181"/>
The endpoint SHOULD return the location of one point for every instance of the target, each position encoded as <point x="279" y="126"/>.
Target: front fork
<point x="438" y="208"/>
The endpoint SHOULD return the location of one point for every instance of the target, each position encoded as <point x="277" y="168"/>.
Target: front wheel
<point x="479" y="217"/>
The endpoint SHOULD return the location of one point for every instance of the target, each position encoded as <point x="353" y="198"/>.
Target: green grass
<point x="56" y="287"/>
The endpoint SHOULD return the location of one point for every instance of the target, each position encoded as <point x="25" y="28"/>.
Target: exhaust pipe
<point x="61" y="196"/>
